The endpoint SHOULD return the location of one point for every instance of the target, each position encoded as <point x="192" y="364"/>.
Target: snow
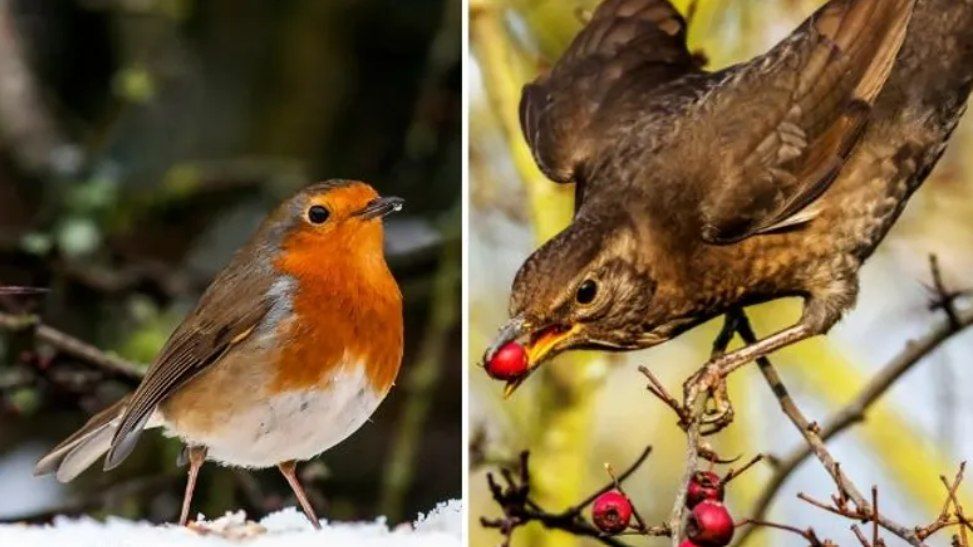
<point x="442" y="527"/>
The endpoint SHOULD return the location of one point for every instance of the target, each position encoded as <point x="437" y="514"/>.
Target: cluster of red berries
<point x="710" y="524"/>
<point x="508" y="363"/>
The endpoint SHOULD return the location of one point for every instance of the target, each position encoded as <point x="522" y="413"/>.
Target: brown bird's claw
<point x="718" y="412"/>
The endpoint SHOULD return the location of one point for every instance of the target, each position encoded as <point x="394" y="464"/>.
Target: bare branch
<point x="808" y="534"/>
<point x="72" y="346"/>
<point x="854" y="412"/>
<point x="519" y="510"/>
<point x="810" y="432"/>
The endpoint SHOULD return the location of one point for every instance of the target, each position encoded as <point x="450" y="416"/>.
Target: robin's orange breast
<point x="344" y="303"/>
<point x="309" y="375"/>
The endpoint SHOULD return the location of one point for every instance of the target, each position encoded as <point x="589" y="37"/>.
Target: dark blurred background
<point x="140" y="143"/>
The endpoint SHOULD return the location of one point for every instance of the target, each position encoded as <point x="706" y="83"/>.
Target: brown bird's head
<point x="583" y="289"/>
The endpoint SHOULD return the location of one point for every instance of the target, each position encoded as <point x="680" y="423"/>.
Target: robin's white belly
<point x="290" y="425"/>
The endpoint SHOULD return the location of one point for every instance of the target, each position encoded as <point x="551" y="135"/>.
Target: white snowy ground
<point x="442" y="527"/>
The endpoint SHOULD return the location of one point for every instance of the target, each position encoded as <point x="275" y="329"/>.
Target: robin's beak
<point x="379" y="207"/>
<point x="538" y="345"/>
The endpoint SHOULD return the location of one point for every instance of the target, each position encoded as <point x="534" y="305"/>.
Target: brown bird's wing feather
<point x="788" y="120"/>
<point x="626" y="44"/>
<point x="226" y="314"/>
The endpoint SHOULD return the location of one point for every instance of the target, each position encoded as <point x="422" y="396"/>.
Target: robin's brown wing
<point x="787" y="121"/>
<point x="228" y="312"/>
<point x="626" y="44"/>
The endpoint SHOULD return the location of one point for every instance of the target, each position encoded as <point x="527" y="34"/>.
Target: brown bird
<point x="699" y="192"/>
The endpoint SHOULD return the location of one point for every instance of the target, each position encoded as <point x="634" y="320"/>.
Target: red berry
<point x="611" y="512"/>
<point x="710" y="524"/>
<point x="705" y="485"/>
<point x="688" y="543"/>
<point x="508" y="363"/>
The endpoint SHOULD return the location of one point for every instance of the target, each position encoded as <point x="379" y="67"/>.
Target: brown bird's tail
<point x="932" y="78"/>
<point x="76" y="453"/>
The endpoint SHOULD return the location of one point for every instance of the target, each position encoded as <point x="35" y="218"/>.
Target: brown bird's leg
<point x="730" y="362"/>
<point x="197" y="455"/>
<point x="288" y="470"/>
<point x="723" y="407"/>
<point x="712" y="376"/>
<point x="820" y="314"/>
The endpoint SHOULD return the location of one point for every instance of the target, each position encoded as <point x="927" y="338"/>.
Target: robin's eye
<point x="587" y="292"/>
<point x="317" y="214"/>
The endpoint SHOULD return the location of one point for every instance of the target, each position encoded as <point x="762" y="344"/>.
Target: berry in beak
<point x="508" y="351"/>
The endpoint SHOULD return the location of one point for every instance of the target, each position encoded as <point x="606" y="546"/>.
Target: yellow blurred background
<point x="587" y="409"/>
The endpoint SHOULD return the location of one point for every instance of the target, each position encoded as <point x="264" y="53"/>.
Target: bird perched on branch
<point x="289" y="351"/>
<point x="698" y="192"/>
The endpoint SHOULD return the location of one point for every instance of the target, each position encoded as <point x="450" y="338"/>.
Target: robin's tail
<point x="76" y="453"/>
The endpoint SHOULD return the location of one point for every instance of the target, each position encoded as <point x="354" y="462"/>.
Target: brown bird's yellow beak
<point x="538" y="346"/>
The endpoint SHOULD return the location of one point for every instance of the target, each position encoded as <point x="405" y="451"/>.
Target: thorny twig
<point x="640" y="525"/>
<point x="692" y="413"/>
<point x="952" y="512"/>
<point x="734" y="473"/>
<point x="72" y="346"/>
<point x="951" y="515"/>
<point x="854" y="412"/>
<point x="811" y="432"/>
<point x="808" y="534"/>
<point x="657" y="389"/>
<point x="519" y="510"/>
<point x="943" y="298"/>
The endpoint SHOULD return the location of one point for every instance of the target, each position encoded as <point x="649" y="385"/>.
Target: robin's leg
<point x="197" y="455"/>
<point x="288" y="469"/>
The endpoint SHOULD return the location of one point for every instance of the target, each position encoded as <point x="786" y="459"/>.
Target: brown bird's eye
<point x="587" y="292"/>
<point x="317" y="214"/>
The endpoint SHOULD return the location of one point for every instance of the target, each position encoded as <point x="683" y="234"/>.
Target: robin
<point x="289" y="351"/>
<point x="699" y="192"/>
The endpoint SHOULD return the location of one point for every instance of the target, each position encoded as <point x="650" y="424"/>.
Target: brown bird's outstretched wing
<point x="787" y="121"/>
<point x="626" y="44"/>
<point x="222" y="319"/>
